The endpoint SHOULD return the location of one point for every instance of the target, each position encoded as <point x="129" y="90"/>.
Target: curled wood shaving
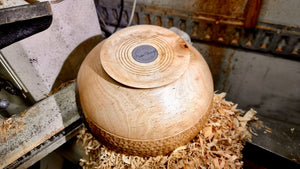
<point x="218" y="145"/>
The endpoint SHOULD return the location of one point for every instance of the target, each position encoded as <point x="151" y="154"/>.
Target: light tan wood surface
<point x="145" y="121"/>
<point x="172" y="61"/>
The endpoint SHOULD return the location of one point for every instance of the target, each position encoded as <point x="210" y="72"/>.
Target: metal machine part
<point x="282" y="40"/>
<point x="11" y="89"/>
<point x="37" y="60"/>
<point x="20" y="22"/>
<point x="4" y="104"/>
<point x="267" y="84"/>
<point x="8" y="72"/>
<point x="45" y="138"/>
<point x="17" y="23"/>
<point x="28" y="137"/>
<point x="14" y="90"/>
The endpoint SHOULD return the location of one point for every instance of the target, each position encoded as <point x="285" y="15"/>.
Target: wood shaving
<point x="218" y="145"/>
<point x="292" y="130"/>
<point x="60" y="87"/>
<point x="10" y="127"/>
<point x="269" y="131"/>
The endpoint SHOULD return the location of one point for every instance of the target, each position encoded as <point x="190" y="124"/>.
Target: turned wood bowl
<point x="145" y="91"/>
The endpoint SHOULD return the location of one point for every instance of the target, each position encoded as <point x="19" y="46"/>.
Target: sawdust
<point x="61" y="86"/>
<point x="10" y="127"/>
<point x="218" y="145"/>
<point x="257" y="125"/>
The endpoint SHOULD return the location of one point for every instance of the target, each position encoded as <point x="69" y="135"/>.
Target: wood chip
<point x="207" y="132"/>
<point x="269" y="131"/>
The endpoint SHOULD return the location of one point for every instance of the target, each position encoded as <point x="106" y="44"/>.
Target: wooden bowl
<point x="145" y="91"/>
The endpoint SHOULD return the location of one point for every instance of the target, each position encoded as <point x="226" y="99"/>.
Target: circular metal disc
<point x="144" y="54"/>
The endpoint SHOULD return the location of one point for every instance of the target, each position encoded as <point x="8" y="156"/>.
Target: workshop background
<point x="251" y="46"/>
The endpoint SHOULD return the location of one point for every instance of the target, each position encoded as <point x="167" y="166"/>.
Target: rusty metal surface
<point x="281" y="40"/>
<point x="231" y="10"/>
<point x="37" y="125"/>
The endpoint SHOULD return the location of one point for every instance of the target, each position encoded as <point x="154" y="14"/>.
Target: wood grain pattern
<point x="145" y="121"/>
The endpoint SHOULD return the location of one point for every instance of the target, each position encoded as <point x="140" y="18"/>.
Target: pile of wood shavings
<point x="218" y="145"/>
<point x="10" y="127"/>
